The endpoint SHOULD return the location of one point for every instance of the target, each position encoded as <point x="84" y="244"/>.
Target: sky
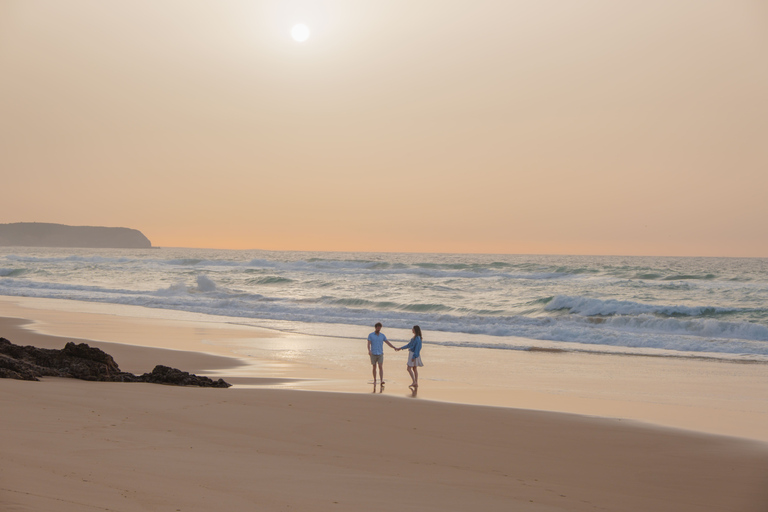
<point x="510" y="126"/>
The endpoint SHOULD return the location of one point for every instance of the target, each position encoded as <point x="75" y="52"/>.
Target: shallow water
<point x="689" y="307"/>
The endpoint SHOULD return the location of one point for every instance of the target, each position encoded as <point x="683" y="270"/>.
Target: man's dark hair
<point x="378" y="324"/>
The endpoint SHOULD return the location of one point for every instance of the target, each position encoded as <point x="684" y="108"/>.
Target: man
<point x="376" y="341"/>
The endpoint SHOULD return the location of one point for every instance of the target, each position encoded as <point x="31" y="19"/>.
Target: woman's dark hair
<point x="417" y="331"/>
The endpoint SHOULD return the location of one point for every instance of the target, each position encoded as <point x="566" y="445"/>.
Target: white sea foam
<point x="599" y="304"/>
<point x="204" y="284"/>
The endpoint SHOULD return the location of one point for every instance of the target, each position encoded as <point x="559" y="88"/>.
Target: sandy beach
<point x="562" y="199"/>
<point x="298" y="435"/>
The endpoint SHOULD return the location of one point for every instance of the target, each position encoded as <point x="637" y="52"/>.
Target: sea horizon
<point x="458" y="253"/>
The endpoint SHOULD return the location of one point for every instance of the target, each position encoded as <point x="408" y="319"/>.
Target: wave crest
<point x="586" y="306"/>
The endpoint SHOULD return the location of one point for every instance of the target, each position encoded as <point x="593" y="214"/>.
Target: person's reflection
<point x="414" y="391"/>
<point x="381" y="388"/>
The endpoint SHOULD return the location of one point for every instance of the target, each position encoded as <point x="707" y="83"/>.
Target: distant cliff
<point x="38" y="234"/>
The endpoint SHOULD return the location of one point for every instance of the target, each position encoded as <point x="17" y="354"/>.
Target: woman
<point x="414" y="356"/>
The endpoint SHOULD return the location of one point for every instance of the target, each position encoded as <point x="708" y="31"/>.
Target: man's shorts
<point x="377" y="358"/>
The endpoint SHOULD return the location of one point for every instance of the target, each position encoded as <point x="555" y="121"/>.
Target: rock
<point x="81" y="361"/>
<point x="14" y="369"/>
<point x="166" y="375"/>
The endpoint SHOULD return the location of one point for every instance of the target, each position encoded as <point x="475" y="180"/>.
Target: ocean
<point x="660" y="306"/>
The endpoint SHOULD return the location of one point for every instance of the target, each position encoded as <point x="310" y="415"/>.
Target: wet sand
<point x="72" y="445"/>
<point x="717" y="397"/>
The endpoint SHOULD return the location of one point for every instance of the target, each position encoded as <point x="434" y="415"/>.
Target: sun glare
<point x="300" y="33"/>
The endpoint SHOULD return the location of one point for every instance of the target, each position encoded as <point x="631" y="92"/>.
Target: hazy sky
<point x="532" y="126"/>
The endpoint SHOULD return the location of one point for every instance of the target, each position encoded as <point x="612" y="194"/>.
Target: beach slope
<point x="76" y="446"/>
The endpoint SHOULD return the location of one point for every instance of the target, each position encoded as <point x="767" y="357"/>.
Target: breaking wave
<point x="598" y="303"/>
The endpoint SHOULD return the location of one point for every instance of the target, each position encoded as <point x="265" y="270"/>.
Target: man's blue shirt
<point x="377" y="343"/>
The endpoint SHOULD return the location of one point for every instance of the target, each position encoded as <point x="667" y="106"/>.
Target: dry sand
<point x="77" y="446"/>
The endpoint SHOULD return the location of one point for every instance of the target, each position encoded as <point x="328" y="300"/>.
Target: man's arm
<point x="369" y="346"/>
<point x="388" y="343"/>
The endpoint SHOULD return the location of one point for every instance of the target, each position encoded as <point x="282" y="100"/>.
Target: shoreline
<point x="714" y="397"/>
<point x="312" y="443"/>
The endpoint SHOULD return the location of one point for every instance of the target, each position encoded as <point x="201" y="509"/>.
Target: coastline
<point x="716" y="397"/>
<point x="287" y="442"/>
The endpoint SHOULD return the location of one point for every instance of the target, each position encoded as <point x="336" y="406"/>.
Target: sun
<point x="300" y="32"/>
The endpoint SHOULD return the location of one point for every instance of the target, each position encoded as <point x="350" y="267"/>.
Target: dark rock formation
<point x="80" y="361"/>
<point x="166" y="375"/>
<point x="39" y="234"/>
